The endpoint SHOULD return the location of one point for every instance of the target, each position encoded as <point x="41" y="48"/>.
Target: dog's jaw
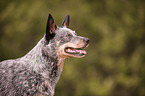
<point x="71" y="50"/>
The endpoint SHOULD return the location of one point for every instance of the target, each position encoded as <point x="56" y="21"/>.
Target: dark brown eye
<point x="68" y="35"/>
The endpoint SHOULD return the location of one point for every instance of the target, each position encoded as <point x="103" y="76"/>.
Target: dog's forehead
<point x="67" y="31"/>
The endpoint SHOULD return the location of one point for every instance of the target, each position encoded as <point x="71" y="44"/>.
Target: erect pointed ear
<point x="66" y="21"/>
<point x="50" y="28"/>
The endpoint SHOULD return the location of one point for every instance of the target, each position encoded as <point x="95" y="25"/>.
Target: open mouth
<point x="75" y="51"/>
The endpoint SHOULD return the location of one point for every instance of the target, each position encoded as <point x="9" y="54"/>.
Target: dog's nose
<point x="86" y="40"/>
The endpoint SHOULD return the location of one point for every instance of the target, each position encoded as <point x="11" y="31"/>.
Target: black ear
<point x="50" y="28"/>
<point x="66" y="21"/>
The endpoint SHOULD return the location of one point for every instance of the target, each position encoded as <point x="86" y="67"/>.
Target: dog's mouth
<point x="75" y="52"/>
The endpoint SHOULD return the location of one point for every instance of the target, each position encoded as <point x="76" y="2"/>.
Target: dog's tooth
<point x="70" y="50"/>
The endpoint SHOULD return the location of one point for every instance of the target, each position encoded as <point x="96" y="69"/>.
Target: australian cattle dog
<point x="37" y="73"/>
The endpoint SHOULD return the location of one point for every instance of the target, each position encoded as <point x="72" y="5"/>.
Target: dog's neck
<point x="49" y="66"/>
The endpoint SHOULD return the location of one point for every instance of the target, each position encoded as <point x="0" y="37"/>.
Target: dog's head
<point x="63" y="41"/>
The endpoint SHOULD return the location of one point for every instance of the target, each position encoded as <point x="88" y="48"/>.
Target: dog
<point x="37" y="73"/>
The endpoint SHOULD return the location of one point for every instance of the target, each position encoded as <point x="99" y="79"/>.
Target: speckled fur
<point x="37" y="73"/>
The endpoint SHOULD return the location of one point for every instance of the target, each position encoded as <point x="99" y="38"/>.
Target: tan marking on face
<point x="61" y="55"/>
<point x="57" y="43"/>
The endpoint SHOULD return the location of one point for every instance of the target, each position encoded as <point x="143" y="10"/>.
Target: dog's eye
<point x="68" y="35"/>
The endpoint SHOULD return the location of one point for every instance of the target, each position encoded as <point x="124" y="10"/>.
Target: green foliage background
<point x="115" y="63"/>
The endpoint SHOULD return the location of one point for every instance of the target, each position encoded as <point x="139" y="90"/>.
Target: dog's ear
<point x="50" y="28"/>
<point x="66" y="21"/>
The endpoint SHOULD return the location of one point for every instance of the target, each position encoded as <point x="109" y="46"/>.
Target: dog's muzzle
<point x="86" y="40"/>
<point x="76" y="48"/>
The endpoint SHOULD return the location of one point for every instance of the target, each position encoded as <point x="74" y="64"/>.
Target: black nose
<point x="86" y="40"/>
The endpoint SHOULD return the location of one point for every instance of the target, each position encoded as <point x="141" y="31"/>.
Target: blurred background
<point x="115" y="63"/>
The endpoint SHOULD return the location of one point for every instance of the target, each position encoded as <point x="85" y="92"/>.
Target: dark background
<point x="115" y="63"/>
